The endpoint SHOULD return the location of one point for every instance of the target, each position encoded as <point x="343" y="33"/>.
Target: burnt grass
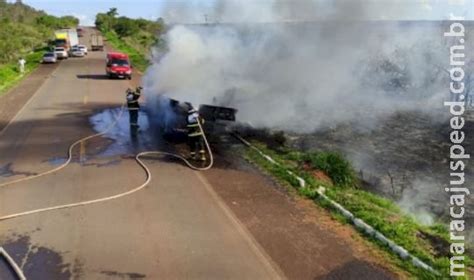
<point x="440" y="246"/>
<point x="404" y="157"/>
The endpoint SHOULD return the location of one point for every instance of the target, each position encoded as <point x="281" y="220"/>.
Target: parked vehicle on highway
<point x="118" y="65"/>
<point x="77" y="52"/>
<point x="97" y="42"/>
<point x="66" y="38"/>
<point x="83" y="48"/>
<point x="50" y="57"/>
<point x="61" y="53"/>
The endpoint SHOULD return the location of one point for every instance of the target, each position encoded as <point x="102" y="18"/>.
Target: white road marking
<point x="271" y="267"/>
<point x="26" y="104"/>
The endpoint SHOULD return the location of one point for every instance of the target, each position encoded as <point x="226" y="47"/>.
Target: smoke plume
<point x="301" y="65"/>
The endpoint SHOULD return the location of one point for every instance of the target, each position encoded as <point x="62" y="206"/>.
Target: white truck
<point x="97" y="42"/>
<point x="66" y="38"/>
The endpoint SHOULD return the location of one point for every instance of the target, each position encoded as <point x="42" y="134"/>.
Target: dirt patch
<point x="319" y="175"/>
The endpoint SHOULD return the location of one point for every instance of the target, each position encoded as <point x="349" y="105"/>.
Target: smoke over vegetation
<point x="302" y="75"/>
<point x="329" y="73"/>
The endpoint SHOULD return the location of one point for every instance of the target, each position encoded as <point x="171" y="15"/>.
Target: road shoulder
<point x="12" y="101"/>
<point x="300" y="237"/>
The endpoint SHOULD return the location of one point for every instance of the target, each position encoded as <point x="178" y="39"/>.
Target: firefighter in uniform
<point x="133" y="108"/>
<point x="195" y="135"/>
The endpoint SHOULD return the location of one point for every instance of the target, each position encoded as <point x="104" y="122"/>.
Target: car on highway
<point x="77" y="52"/>
<point x="118" y="66"/>
<point x="49" y="57"/>
<point x="61" y="52"/>
<point x="83" y="48"/>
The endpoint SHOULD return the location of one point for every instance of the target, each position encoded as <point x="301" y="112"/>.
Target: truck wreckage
<point x="171" y="118"/>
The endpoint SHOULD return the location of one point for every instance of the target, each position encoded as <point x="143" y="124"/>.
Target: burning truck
<point x="170" y="117"/>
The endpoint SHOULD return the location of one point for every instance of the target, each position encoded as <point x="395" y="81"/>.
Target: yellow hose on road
<point x="137" y="158"/>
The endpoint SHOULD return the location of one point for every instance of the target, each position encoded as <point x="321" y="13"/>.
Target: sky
<point x="86" y="10"/>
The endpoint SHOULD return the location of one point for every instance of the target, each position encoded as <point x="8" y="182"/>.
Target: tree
<point x="106" y="21"/>
<point x="112" y="12"/>
<point x="47" y="20"/>
<point x="23" y="29"/>
<point x="125" y="27"/>
<point x="140" y="33"/>
<point x="69" y="21"/>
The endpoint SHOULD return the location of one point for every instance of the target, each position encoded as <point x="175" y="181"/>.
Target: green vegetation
<point x="333" y="164"/>
<point x="24" y="32"/>
<point x="429" y="243"/>
<point x="25" y="29"/>
<point x="10" y="73"/>
<point x="132" y="36"/>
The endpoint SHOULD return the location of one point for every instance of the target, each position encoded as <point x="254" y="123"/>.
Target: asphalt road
<point x="175" y="228"/>
<point x="231" y="222"/>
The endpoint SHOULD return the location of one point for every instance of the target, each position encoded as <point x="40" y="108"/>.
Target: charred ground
<point x="404" y="158"/>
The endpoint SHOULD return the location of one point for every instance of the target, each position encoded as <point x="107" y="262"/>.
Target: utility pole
<point x="206" y="19"/>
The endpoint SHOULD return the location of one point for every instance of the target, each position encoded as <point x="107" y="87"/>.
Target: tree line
<point x="23" y="29"/>
<point x="138" y="33"/>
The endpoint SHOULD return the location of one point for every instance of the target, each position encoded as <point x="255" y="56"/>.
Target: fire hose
<point x="116" y="196"/>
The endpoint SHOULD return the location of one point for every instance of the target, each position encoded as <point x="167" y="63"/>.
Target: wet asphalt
<point x="175" y="228"/>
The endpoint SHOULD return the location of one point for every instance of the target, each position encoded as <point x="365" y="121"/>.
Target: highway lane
<point x="175" y="228"/>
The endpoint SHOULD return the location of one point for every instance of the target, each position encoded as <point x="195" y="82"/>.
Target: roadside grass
<point x="10" y="73"/>
<point x="139" y="60"/>
<point x="429" y="243"/>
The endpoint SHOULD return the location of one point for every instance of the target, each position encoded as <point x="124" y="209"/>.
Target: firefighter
<point x="133" y="108"/>
<point x="195" y="135"/>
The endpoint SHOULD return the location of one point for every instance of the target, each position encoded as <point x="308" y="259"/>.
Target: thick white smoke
<point x="306" y="65"/>
<point x="302" y="65"/>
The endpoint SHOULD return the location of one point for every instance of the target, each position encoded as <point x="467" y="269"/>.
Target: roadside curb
<point x="358" y="223"/>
